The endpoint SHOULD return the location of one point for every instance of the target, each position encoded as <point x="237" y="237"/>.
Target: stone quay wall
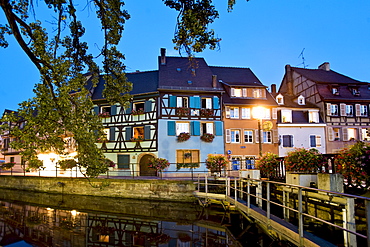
<point x="152" y="189"/>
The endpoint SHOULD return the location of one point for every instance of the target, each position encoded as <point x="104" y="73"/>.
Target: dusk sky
<point x="263" y="35"/>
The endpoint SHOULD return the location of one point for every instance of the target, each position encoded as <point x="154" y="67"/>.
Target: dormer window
<point x="355" y="91"/>
<point x="286" y="116"/>
<point x="238" y="92"/>
<point x="335" y="91"/>
<point x="280" y="99"/>
<point x="257" y="93"/>
<point x="301" y="100"/>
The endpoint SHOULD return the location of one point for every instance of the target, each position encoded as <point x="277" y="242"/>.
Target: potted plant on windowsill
<point x="137" y="139"/>
<point x="206" y="112"/>
<point x="138" y="112"/>
<point x="206" y="137"/>
<point x="182" y="111"/>
<point x="104" y="115"/>
<point x="183" y="137"/>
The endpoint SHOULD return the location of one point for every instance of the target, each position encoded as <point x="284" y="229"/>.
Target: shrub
<point x="67" y="164"/>
<point x="216" y="162"/>
<point x="159" y="164"/>
<point x="268" y="164"/>
<point x="304" y="161"/>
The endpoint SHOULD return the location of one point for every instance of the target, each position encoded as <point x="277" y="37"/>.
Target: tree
<point x="62" y="106"/>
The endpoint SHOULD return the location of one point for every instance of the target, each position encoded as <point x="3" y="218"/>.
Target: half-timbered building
<point x="343" y="102"/>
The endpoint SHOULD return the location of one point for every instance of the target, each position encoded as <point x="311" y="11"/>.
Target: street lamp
<point x="258" y="113"/>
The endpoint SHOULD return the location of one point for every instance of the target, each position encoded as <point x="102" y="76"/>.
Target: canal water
<point x="48" y="220"/>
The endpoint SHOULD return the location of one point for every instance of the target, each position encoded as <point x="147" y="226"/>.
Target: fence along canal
<point x="304" y="216"/>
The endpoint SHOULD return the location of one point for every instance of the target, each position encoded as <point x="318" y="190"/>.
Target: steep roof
<point x="236" y="76"/>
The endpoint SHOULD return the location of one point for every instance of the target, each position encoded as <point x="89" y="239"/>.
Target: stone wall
<point x="163" y="190"/>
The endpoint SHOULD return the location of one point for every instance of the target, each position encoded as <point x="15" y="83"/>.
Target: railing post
<point x="198" y="182"/>
<point x="228" y="186"/>
<point x="268" y="202"/>
<point x="367" y="208"/>
<point x="350" y="222"/>
<point x="248" y="193"/>
<point x="300" y="218"/>
<point x="236" y="190"/>
<point x="206" y="184"/>
<point x="241" y="188"/>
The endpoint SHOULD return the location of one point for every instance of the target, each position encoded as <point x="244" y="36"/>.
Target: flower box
<point x="182" y="111"/>
<point x="138" y="112"/>
<point x="104" y="115"/>
<point x="183" y="137"/>
<point x="207" y="137"/>
<point x="206" y="112"/>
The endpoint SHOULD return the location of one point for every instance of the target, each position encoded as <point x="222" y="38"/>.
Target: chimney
<point x="214" y="81"/>
<point x="163" y="56"/>
<point x="325" y="66"/>
<point x="289" y="79"/>
<point x="273" y="89"/>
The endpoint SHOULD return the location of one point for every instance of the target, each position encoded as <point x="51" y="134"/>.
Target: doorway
<point x="144" y="169"/>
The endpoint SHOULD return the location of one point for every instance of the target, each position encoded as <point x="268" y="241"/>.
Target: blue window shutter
<point x="147" y="132"/>
<point x="194" y="102"/>
<point x="312" y="141"/>
<point x="218" y="127"/>
<point x="216" y="103"/>
<point x="148" y="106"/>
<point x="112" y="133"/>
<point x="129" y="109"/>
<point x="171" y="128"/>
<point x="173" y="101"/>
<point x="113" y="110"/>
<point x="96" y="110"/>
<point x="195" y="128"/>
<point x="128" y="133"/>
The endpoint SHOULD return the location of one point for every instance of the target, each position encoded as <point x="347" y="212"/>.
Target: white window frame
<point x="286" y="116"/>
<point x="246" y="113"/>
<point x="349" y="110"/>
<point x="235" y="136"/>
<point x="182" y="127"/>
<point x="313" y="116"/>
<point x="363" y="111"/>
<point x="267" y="136"/>
<point x="234" y="112"/>
<point x="250" y="136"/>
<point x="334" y="110"/>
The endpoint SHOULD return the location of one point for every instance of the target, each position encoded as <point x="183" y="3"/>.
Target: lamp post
<point x="258" y="113"/>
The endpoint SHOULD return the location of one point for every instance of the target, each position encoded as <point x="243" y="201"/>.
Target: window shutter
<point x="236" y="112"/>
<point x="171" y="128"/>
<point x="195" y="128"/>
<point x="330" y="134"/>
<point x="129" y="109"/>
<point x="112" y="133"/>
<point x="275" y="136"/>
<point x="172" y="101"/>
<point x="96" y="110"/>
<point x="274" y="113"/>
<point x="360" y="137"/>
<point x="218" y="128"/>
<point x="227" y="112"/>
<point x="228" y="135"/>
<point x="216" y="103"/>
<point x="113" y="110"/>
<point x="232" y="92"/>
<point x="128" y="133"/>
<point x="328" y="109"/>
<point x="312" y="141"/>
<point x="244" y="90"/>
<point x="148" y="106"/>
<point x="343" y="109"/>
<point x="208" y="103"/>
<point x="345" y="134"/>
<point x="318" y="141"/>
<point x="194" y="102"/>
<point x="358" y="109"/>
<point x="179" y="101"/>
<point x="147" y="132"/>
<point x="257" y="136"/>
<point x="209" y="128"/>
<point x="123" y="161"/>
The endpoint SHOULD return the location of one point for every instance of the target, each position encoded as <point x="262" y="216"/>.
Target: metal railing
<point x="351" y="213"/>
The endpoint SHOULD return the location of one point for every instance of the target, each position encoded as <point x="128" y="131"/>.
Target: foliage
<point x="67" y="164"/>
<point x="354" y="163"/>
<point x="58" y="50"/>
<point x="187" y="165"/>
<point x="7" y="166"/>
<point x="137" y="139"/>
<point x="182" y="111"/>
<point x="206" y="137"/>
<point x="216" y="162"/>
<point x="138" y="112"/>
<point x="304" y="161"/>
<point x="183" y="137"/>
<point x="35" y="164"/>
<point x="104" y="114"/>
<point x="268" y="163"/>
<point x="159" y="164"/>
<point x="206" y="112"/>
<point x="109" y="163"/>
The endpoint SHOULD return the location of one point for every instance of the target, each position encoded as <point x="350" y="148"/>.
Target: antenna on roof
<point x="303" y="60"/>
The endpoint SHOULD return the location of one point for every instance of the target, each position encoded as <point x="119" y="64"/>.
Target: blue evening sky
<point x="263" y="35"/>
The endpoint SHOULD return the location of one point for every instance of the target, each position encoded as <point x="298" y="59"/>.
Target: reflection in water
<point x="55" y="225"/>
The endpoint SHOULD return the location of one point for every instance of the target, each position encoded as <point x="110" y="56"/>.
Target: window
<point x="257" y="93"/>
<point x="248" y="136"/>
<point x="315" y="141"/>
<point x="12" y="160"/>
<point x="207" y="128"/>
<point x="365" y="134"/>
<point x="123" y="161"/>
<point x="236" y="161"/>
<point x="106" y="109"/>
<point x="355" y="91"/>
<point x="235" y="136"/>
<point x="234" y="112"/>
<point x="182" y="102"/>
<point x="182" y="128"/>
<point x="286" y="116"/>
<point x="267" y="137"/>
<point x="236" y="92"/>
<point x="313" y="116"/>
<point x="261" y="113"/>
<point x="138" y="133"/>
<point x="287" y="141"/>
<point x="301" y="100"/>
<point x="138" y="106"/>
<point x="351" y="134"/>
<point x="363" y="111"/>
<point x="246" y="113"/>
<point x="349" y="110"/>
<point x="336" y="132"/>
<point x="184" y="156"/>
<point x="280" y="99"/>
<point x="249" y="162"/>
<point x="334" y="110"/>
<point x="207" y="103"/>
<point x="335" y="90"/>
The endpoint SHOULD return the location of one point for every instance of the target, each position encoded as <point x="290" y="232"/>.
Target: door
<point x="144" y="169"/>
